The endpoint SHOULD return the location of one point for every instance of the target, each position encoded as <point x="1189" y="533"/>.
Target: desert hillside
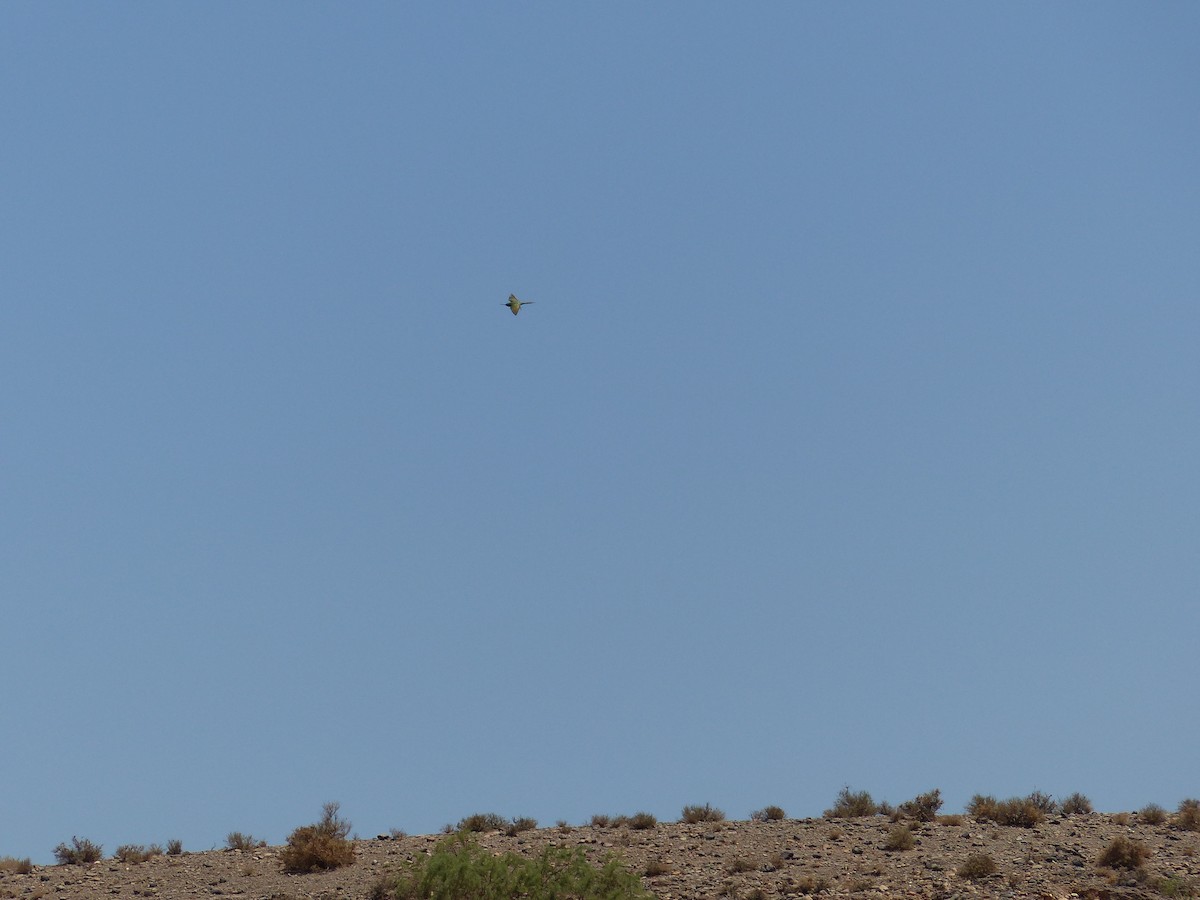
<point x="750" y="860"/>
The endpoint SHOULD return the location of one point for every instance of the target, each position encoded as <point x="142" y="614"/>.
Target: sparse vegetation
<point x="320" y="846"/>
<point x="976" y="866"/>
<point x="519" y="824"/>
<point x="852" y="805"/>
<point x="642" y="821"/>
<point x="131" y="854"/>
<point x="693" y="815"/>
<point x="482" y="822"/>
<point x="738" y="865"/>
<point x="923" y="807"/>
<point x="600" y="820"/>
<point x="10" y="865"/>
<point x="1076" y="805"/>
<point x="80" y="851"/>
<point x="1044" y="803"/>
<point x="1188" y="816"/>
<point x="899" y="839"/>
<point x="174" y="847"/>
<point x="811" y="884"/>
<point x="235" y="840"/>
<point x="656" y="868"/>
<point x="1177" y="886"/>
<point x="459" y="869"/>
<point x="1123" y="853"/>
<point x="1152" y="814"/>
<point x="1022" y="812"/>
<point x="768" y="814"/>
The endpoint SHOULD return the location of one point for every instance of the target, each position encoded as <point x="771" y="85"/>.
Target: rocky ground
<point x="792" y="858"/>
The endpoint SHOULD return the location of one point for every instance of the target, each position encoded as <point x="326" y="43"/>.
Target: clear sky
<point x="851" y="439"/>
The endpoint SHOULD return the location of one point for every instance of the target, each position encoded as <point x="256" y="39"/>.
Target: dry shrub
<point x="976" y="866"/>
<point x="132" y="854"/>
<point x="174" y="847"/>
<point x="79" y="852"/>
<point x="1188" y="817"/>
<point x="1045" y="804"/>
<point x="739" y="864"/>
<point x="768" y="814"/>
<point x="852" y="805"/>
<point x="312" y="848"/>
<point x="694" y="815"/>
<point x="899" y="839"/>
<point x="482" y="822"/>
<point x="924" y="807"/>
<point x="10" y="865"/>
<point x="953" y="819"/>
<point x="1152" y="814"/>
<point x="519" y="824"/>
<point x="1023" y="812"/>
<point x="1176" y="886"/>
<point x="642" y="821"/>
<point x="656" y="868"/>
<point x="812" y="884"/>
<point x="1121" y="818"/>
<point x="982" y="806"/>
<point x="1076" y="805"/>
<point x="1122" y="853"/>
<point x="235" y="840"/>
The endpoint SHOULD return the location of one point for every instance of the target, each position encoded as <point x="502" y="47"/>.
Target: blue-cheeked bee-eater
<point x="514" y="304"/>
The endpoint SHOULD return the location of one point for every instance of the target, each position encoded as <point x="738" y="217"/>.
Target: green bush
<point x="1122" y="853"/>
<point x="976" y="866"/>
<point x="80" y="851"/>
<point x="459" y="869"/>
<point x="924" y="807"/>
<point x="850" y="805"/>
<point x="693" y="815"/>
<point x="321" y="846"/>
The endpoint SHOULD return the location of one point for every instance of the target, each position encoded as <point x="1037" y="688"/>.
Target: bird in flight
<point x="514" y="304"/>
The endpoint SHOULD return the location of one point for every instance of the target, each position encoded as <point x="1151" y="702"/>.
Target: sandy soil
<point x="793" y="858"/>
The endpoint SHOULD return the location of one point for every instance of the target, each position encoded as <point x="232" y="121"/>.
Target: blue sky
<point x="851" y="439"/>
